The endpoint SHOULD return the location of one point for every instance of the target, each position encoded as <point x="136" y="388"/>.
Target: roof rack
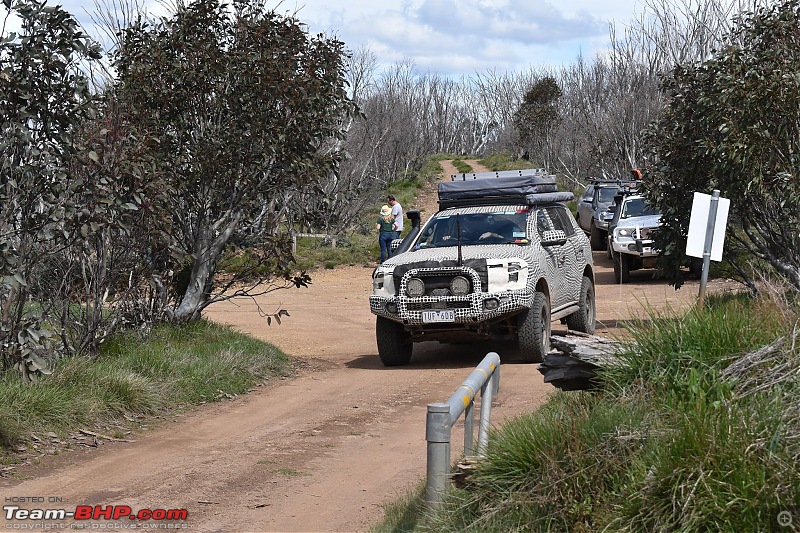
<point x="500" y="174"/>
<point x="512" y="187"/>
<point x="523" y="199"/>
<point x="612" y="181"/>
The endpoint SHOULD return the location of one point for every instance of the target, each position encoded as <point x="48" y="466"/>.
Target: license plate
<point x="438" y="316"/>
<point x="647" y="249"/>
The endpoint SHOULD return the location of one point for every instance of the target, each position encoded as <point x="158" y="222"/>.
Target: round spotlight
<point x="459" y="286"/>
<point x="490" y="304"/>
<point x="415" y="288"/>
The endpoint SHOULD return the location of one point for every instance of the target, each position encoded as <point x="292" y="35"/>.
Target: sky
<point x="450" y="37"/>
<point x="464" y="36"/>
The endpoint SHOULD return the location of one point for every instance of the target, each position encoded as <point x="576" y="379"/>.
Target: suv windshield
<point x="637" y="207"/>
<point x="502" y="227"/>
<point x="606" y="194"/>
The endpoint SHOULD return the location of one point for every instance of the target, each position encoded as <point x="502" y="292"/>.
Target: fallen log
<point x="575" y="358"/>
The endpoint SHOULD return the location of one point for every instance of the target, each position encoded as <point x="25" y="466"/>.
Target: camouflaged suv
<point x="503" y="256"/>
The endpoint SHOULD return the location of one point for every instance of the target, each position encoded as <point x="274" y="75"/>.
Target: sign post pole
<point x="712" y="220"/>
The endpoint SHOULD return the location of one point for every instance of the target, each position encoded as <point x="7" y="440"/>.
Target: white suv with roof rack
<point x="503" y="256"/>
<point x="631" y="237"/>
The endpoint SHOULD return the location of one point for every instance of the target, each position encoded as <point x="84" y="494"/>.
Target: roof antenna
<point x="458" y="229"/>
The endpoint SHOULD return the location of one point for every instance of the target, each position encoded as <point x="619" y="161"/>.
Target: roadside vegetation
<point x="696" y="430"/>
<point x="134" y="377"/>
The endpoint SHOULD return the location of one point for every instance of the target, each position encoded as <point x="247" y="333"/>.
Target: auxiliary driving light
<point x="459" y="286"/>
<point x="391" y="307"/>
<point x="415" y="288"/>
<point x="490" y="304"/>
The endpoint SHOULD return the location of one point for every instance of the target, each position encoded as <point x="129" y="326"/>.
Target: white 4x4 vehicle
<point x="631" y="240"/>
<point x="502" y="256"/>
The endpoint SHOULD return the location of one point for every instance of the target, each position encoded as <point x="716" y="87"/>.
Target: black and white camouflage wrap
<point x="507" y="273"/>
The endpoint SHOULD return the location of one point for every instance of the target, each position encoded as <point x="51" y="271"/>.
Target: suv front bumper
<point x="639" y="247"/>
<point x="470" y="309"/>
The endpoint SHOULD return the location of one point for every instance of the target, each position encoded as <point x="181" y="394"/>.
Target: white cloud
<point x="459" y="36"/>
<point x="451" y="36"/>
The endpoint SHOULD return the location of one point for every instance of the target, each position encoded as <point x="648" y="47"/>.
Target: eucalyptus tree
<point x="44" y="101"/>
<point x="732" y="123"/>
<point x="538" y="115"/>
<point x="240" y="109"/>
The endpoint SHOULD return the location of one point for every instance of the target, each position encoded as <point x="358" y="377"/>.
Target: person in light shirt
<point x="397" y="213"/>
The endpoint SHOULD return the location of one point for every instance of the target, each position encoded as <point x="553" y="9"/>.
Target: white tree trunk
<point x="208" y="250"/>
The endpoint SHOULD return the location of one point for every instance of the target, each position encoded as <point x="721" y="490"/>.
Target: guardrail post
<point x="469" y="428"/>
<point x="437" y="433"/>
<point x="487" y="394"/>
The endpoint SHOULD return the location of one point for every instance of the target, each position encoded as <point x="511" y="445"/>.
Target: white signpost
<point x="707" y="232"/>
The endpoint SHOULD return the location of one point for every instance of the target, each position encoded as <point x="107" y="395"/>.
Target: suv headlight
<point x="625" y="232"/>
<point x="382" y="280"/>
<point x="377" y="279"/>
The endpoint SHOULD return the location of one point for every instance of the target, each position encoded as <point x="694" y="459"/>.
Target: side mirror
<point x="554" y="238"/>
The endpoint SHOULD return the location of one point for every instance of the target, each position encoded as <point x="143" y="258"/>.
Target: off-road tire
<point x="622" y="268"/>
<point x="597" y="237"/>
<point x="609" y="253"/>
<point x="534" y="330"/>
<point x="584" y="318"/>
<point x="394" y="342"/>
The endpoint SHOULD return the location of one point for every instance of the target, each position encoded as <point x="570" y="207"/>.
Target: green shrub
<point x="668" y="350"/>
<point x="174" y="367"/>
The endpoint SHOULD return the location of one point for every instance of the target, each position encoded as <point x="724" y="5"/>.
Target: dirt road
<point x="318" y="452"/>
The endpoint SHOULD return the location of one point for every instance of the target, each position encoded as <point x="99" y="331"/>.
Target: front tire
<point x="394" y="342"/>
<point x="622" y="268"/>
<point x="597" y="238"/>
<point x="584" y="318"/>
<point x="534" y="330"/>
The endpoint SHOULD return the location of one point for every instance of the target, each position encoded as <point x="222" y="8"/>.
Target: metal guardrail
<point x="442" y="416"/>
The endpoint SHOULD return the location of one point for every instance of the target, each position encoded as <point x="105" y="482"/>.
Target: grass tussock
<point x="699" y="430"/>
<point x="174" y="367"/>
<point x="505" y="161"/>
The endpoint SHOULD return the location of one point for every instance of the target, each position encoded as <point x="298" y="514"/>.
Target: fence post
<point x="437" y="433"/>
<point x="487" y="394"/>
<point x="469" y="428"/>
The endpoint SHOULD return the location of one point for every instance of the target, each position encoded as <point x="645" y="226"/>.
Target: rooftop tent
<point x="520" y="187"/>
